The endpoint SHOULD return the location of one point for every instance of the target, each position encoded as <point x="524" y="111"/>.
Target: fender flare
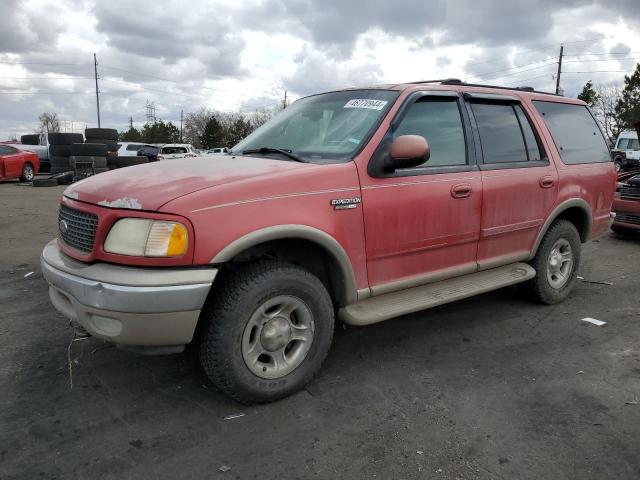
<point x="567" y="204"/>
<point x="293" y="231"/>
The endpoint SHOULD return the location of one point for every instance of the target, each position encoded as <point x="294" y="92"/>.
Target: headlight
<point x="141" y="237"/>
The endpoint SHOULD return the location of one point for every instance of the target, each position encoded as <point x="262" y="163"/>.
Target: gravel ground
<point x="492" y="387"/>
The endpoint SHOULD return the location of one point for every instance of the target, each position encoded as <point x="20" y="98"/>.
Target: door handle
<point x="461" y="190"/>
<point x="547" y="181"/>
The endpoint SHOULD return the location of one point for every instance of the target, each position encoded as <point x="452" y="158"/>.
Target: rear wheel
<point x="618" y="163"/>
<point x="28" y="173"/>
<point x="556" y="263"/>
<point x="267" y="330"/>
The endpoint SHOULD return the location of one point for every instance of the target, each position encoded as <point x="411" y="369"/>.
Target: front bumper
<point x="127" y="305"/>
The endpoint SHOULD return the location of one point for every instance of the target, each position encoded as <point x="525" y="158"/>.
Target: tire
<point x="112" y="157"/>
<point x="230" y="319"/>
<point x="45" y="182"/>
<point x="58" y="163"/>
<point x="130" y="161"/>
<point x="562" y="239"/>
<point x="60" y="150"/>
<point x="101" y="170"/>
<point x="28" y="172"/>
<point x="65" y="178"/>
<point x="106" y="133"/>
<point x="30" y="139"/>
<point x="89" y="149"/>
<point x="98" y="162"/>
<point x="618" y="164"/>
<point x="65" y="138"/>
<point x="112" y="145"/>
<point x="45" y="166"/>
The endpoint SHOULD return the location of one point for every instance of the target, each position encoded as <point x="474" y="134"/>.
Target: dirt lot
<point x="492" y="387"/>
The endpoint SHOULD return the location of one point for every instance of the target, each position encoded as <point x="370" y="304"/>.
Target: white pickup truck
<point x="626" y="153"/>
<point x="37" y="143"/>
<point x="171" y="151"/>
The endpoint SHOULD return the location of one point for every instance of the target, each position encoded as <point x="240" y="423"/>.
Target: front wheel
<point x="268" y="328"/>
<point x="556" y="264"/>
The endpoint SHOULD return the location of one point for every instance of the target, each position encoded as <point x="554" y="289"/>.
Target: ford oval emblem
<point x="64" y="226"/>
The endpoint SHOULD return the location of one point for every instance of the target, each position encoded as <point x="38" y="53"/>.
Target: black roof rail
<point x="457" y="81"/>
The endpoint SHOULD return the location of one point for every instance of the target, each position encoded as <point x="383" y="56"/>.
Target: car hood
<point x="150" y="186"/>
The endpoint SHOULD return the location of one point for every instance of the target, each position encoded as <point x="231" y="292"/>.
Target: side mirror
<point x="408" y="151"/>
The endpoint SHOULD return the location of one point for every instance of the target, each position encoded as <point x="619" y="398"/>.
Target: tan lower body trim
<point x="418" y="280"/>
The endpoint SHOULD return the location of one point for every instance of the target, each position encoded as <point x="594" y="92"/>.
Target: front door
<point x="519" y="184"/>
<point x="422" y="224"/>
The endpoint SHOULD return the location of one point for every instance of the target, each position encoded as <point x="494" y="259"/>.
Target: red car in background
<point x="15" y="163"/>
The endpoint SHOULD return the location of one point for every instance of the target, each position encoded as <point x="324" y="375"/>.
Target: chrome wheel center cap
<point x="275" y="334"/>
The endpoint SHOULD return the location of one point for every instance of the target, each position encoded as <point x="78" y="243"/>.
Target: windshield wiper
<point x="286" y="153"/>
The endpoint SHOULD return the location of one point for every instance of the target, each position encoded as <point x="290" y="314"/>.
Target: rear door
<point x="519" y="183"/>
<point x="422" y="223"/>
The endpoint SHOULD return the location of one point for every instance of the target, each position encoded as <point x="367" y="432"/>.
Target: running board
<point x="383" y="307"/>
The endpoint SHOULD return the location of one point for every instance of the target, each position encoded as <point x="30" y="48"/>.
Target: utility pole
<point x="130" y="123"/>
<point x="559" y="70"/>
<point x="181" y="112"/>
<point x="95" y="71"/>
<point x="284" y="102"/>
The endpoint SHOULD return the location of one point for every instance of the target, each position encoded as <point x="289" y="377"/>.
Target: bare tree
<point x="194" y="126"/>
<point x="49" y="123"/>
<point x="604" y="108"/>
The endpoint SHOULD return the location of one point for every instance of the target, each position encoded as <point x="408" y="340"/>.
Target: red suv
<point x="364" y="204"/>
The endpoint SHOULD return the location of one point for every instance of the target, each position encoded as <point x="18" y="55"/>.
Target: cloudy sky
<point x="243" y="55"/>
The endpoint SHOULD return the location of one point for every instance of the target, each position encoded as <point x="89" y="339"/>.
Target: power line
<point x="47" y="64"/>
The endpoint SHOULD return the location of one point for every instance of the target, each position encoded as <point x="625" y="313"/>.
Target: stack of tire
<point x="60" y="150"/>
<point x="87" y="154"/>
<point x="107" y="137"/>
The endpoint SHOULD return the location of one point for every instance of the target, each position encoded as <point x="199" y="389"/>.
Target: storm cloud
<point x="222" y="55"/>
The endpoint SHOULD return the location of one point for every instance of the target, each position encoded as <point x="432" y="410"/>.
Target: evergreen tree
<point x="214" y="134"/>
<point x="160" y="132"/>
<point x="628" y="106"/>
<point x="588" y="94"/>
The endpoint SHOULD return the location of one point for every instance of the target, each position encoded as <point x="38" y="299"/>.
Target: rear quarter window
<point x="575" y="132"/>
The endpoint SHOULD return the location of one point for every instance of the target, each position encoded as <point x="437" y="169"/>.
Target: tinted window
<point x="173" y="150"/>
<point x="133" y="148"/>
<point x="628" y="144"/>
<point x="500" y="133"/>
<point x="6" y="150"/>
<point x="575" y="132"/>
<point x="533" y="150"/>
<point x="440" y="124"/>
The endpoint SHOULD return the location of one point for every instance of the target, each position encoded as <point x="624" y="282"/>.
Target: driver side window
<point x="440" y="123"/>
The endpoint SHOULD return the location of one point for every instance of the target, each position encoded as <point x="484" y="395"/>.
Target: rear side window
<point x="628" y="144"/>
<point x="575" y="132"/>
<point x="439" y="122"/>
<point x="132" y="148"/>
<point x="500" y="133"/>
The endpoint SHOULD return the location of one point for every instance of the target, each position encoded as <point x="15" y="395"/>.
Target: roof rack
<point x="457" y="81"/>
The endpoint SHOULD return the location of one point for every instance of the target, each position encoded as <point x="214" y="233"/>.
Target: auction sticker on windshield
<point x="365" y="103"/>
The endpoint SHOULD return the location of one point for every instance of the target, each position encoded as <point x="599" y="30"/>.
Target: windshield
<point x="331" y="126"/>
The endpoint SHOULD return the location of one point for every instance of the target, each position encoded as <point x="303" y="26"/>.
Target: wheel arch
<point x="288" y="242"/>
<point x="575" y="210"/>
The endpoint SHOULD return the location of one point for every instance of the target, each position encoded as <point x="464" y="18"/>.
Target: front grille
<point x="628" y="218"/>
<point x="629" y="193"/>
<point x="77" y="229"/>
